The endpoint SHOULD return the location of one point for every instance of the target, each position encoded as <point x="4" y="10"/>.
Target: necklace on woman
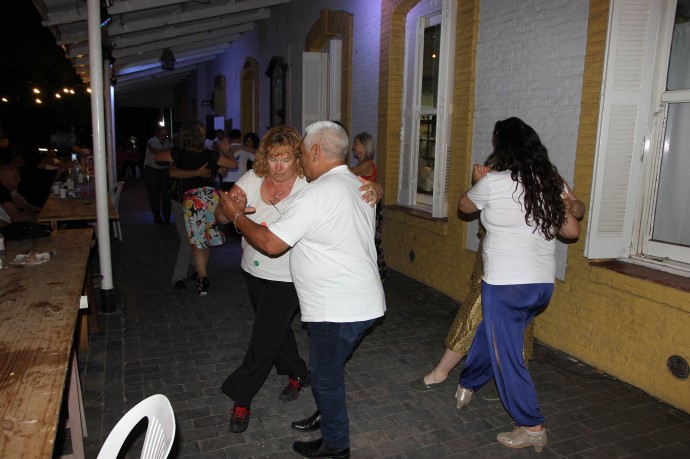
<point x="279" y="195"/>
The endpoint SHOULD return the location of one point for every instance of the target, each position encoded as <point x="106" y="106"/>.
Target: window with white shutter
<point x="313" y="108"/>
<point x="640" y="191"/>
<point x="427" y="106"/>
<point x="321" y="82"/>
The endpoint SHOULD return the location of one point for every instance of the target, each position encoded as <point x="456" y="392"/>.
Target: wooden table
<point x="82" y="208"/>
<point x="39" y="308"/>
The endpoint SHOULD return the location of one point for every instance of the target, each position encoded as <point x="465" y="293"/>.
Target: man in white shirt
<point x="241" y="155"/>
<point x="330" y="230"/>
<point x="157" y="177"/>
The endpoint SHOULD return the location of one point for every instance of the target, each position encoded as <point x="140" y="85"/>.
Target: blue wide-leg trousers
<point x="497" y="348"/>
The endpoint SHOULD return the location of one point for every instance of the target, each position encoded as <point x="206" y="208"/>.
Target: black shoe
<point x="180" y="285"/>
<point x="310" y="424"/>
<point x="294" y="385"/>
<point x="317" y="448"/>
<point x="239" y="418"/>
<point x="202" y="286"/>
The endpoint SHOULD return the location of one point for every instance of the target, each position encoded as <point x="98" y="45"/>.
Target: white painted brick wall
<point x="365" y="66"/>
<point x="283" y="35"/>
<point x="530" y="61"/>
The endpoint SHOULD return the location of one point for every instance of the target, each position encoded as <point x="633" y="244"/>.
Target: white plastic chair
<point x="159" y="434"/>
<point x="115" y="199"/>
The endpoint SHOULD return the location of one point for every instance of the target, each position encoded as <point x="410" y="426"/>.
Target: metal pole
<point x="99" y="137"/>
<point x="111" y="144"/>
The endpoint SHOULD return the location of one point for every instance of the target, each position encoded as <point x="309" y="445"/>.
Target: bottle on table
<point x="69" y="182"/>
<point x="77" y="178"/>
<point x="76" y="172"/>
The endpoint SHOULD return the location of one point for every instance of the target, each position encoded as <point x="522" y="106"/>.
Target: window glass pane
<point x="427" y="144"/>
<point x="672" y="211"/>
<point x="427" y="121"/>
<point x="679" y="63"/>
<point x="432" y="43"/>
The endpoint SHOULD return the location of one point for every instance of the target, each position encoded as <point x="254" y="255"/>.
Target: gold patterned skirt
<point x="469" y="316"/>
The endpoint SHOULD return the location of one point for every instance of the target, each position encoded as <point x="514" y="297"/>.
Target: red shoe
<point x="239" y="418"/>
<point x="291" y="391"/>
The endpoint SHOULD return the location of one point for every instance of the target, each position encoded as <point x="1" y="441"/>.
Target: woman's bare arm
<point x="573" y="204"/>
<point x="363" y="169"/>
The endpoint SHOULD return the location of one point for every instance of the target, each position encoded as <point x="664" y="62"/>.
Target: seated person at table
<point x="11" y="201"/>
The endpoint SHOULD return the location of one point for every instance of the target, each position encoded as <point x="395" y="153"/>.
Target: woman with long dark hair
<point x="523" y="210"/>
<point x="461" y="333"/>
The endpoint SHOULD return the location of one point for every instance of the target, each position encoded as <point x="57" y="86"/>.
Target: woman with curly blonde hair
<point x="276" y="177"/>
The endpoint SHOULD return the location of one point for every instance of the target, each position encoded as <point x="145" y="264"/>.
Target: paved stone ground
<point x="178" y="344"/>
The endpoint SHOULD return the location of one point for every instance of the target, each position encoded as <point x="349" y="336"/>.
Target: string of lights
<point x="39" y="96"/>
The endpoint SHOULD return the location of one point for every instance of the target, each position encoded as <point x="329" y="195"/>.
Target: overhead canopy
<point x="137" y="32"/>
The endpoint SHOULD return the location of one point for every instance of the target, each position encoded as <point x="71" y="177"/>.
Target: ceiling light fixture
<point x="167" y="60"/>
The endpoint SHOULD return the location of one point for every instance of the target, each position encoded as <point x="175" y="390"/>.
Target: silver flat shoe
<point x="520" y="438"/>
<point x="463" y="395"/>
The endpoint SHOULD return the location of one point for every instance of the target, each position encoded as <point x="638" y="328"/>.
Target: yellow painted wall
<point x="621" y="325"/>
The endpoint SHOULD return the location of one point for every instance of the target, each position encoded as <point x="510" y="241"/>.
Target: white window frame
<point x="631" y="126"/>
<point x="648" y="247"/>
<point x="412" y="110"/>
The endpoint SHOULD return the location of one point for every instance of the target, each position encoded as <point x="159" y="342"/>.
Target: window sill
<point x="646" y="271"/>
<point x="416" y="213"/>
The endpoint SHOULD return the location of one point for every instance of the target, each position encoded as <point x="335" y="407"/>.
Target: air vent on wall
<point x="678" y="366"/>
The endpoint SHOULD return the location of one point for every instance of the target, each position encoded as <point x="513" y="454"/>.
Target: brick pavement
<point x="178" y="344"/>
